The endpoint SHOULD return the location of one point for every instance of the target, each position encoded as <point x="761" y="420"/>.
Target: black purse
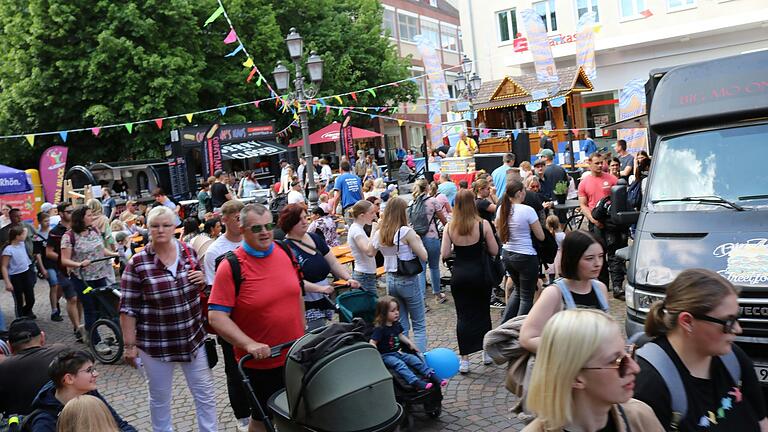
<point x="410" y="267"/>
<point x="493" y="268"/>
<point x="210" y="352"/>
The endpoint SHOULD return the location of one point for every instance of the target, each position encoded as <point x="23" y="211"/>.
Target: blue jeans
<point x="433" y="259"/>
<point x="367" y="281"/>
<point x="524" y="270"/>
<point x="2" y="321"/>
<point x="90" y="308"/>
<point x="406" y="290"/>
<point x="400" y="362"/>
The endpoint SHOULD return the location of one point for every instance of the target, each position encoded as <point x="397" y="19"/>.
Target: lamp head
<point x="282" y="76"/>
<point x="295" y="44"/>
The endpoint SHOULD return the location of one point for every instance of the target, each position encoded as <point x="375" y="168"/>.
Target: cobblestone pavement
<point x="477" y="401"/>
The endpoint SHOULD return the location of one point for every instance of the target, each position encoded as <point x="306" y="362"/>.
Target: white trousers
<point x="199" y="380"/>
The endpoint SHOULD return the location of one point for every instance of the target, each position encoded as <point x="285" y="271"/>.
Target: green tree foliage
<point x="66" y="64"/>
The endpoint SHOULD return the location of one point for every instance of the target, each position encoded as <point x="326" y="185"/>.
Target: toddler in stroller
<point x="388" y="338"/>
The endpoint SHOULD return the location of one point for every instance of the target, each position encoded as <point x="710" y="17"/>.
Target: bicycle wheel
<point x="106" y="341"/>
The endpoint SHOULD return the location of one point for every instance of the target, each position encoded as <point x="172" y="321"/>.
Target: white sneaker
<point x="487" y="360"/>
<point x="103" y="349"/>
<point x="242" y="424"/>
<point x="464" y="366"/>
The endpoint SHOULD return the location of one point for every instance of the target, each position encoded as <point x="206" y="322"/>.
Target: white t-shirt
<point x="390" y="252"/>
<point x="19" y="262"/>
<point x="519" y="225"/>
<point x="295" y="197"/>
<point x="219" y="247"/>
<point x="363" y="262"/>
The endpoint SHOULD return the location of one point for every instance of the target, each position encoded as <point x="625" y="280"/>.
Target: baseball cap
<point x="46" y="207"/>
<point x="546" y="153"/>
<point x="22" y="330"/>
<point x="385" y="196"/>
<point x="539" y="162"/>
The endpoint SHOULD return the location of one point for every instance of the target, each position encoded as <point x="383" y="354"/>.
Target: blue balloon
<point x="445" y="362"/>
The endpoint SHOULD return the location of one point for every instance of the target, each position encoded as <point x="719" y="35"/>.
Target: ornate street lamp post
<point x="468" y="87"/>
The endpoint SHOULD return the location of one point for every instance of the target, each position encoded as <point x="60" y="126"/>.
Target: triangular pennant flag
<point x="237" y="50"/>
<point x="428" y="126"/>
<point x="256" y="103"/>
<point x="394" y="110"/>
<point x="321" y="101"/>
<point x="217" y="13"/>
<point x="250" y="75"/>
<point x="338" y="99"/>
<point x="372" y="92"/>
<point x="314" y="109"/>
<point x="159" y="123"/>
<point x="372" y="116"/>
<point x="400" y="122"/>
<point x="231" y="37"/>
<point x="365" y="109"/>
<point x="340" y="111"/>
<point x="295" y="116"/>
<point x="344" y="111"/>
<point x="515" y="133"/>
<point x="63" y="135"/>
<point x="575" y="132"/>
<point x="223" y="110"/>
<point x="354" y="96"/>
<point x="248" y="63"/>
<point x="258" y="82"/>
<point x="546" y="132"/>
<point x="189" y="117"/>
<point x="96" y="131"/>
<point x="129" y="126"/>
<point x="30" y="139"/>
<point x="327" y="110"/>
<point x="396" y="84"/>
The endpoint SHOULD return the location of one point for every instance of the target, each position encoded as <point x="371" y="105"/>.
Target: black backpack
<point x="237" y="275"/>
<point x="546" y="249"/>
<point x="635" y="195"/>
<point x="417" y="215"/>
<point x="26" y="421"/>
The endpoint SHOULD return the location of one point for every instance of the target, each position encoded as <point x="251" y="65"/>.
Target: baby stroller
<point x="362" y="304"/>
<point x="335" y="381"/>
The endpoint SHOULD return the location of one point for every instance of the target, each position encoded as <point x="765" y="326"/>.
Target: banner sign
<point x="53" y="163"/>
<point x="23" y="201"/>
<point x="632" y="104"/>
<point x="539" y="46"/>
<point x="585" y="45"/>
<point x="346" y="141"/>
<point x="213" y="150"/>
<point x="438" y="88"/>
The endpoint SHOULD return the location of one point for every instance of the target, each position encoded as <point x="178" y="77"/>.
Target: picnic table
<point x="341" y="250"/>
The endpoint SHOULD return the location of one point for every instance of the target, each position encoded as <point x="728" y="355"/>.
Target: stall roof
<point x="249" y="149"/>
<point x="520" y="90"/>
<point x="140" y="164"/>
<point x="331" y="132"/>
<point x="13" y="180"/>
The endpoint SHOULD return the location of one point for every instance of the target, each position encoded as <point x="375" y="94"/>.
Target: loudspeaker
<point x="488" y="161"/>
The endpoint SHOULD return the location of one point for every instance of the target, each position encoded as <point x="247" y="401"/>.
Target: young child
<point x="387" y="338"/>
<point x="553" y="225"/>
<point x="17" y="272"/>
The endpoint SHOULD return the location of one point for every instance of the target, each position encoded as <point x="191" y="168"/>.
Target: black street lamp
<point x="302" y="93"/>
<point x="468" y="87"/>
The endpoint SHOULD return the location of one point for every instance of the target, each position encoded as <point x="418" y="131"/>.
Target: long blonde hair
<point x="465" y="215"/>
<point x="569" y="340"/>
<point x="392" y="220"/>
<point x="419" y="188"/>
<point x="86" y="413"/>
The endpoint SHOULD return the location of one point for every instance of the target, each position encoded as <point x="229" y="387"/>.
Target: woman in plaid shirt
<point x="160" y="315"/>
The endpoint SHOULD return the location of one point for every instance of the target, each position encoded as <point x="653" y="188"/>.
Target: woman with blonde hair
<point x="367" y="188"/>
<point x="694" y="328"/>
<point x="364" y="213"/>
<point x="470" y="237"/>
<point x="399" y="242"/>
<point x="86" y="413"/>
<point x="525" y="169"/>
<point x="584" y="378"/>
<point x="431" y="238"/>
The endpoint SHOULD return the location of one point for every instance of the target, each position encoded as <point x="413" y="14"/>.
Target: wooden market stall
<point x="501" y="104"/>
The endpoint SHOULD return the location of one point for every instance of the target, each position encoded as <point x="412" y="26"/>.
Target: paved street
<point x="477" y="401"/>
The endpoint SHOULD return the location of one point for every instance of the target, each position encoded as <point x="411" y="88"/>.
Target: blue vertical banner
<point x="546" y="71"/>
<point x="585" y="44"/>
<point x="632" y="104"/>
<point x="437" y="87"/>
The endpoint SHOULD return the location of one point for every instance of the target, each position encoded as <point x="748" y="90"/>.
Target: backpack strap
<point x="624" y="418"/>
<point x="600" y="297"/>
<point x="660" y="360"/>
<point x="237" y="274"/>
<point x="287" y="249"/>
<point x="566" y="294"/>
<point x="731" y="363"/>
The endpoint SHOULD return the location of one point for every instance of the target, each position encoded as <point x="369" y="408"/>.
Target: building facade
<point x="439" y="21"/>
<point x="632" y="38"/>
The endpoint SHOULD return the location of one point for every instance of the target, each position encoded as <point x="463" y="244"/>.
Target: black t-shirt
<point x="313" y="265"/>
<point x="38" y="247"/>
<point x="22" y="375"/>
<point x="553" y="174"/>
<point x="387" y="337"/>
<point x="482" y="208"/>
<point x="54" y="238"/>
<point x="715" y="404"/>
<point x="218" y="194"/>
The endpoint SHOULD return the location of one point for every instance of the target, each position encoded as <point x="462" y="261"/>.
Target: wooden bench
<point x="346" y="259"/>
<point x="380" y="271"/>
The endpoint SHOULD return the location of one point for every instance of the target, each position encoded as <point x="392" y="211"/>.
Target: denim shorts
<point x="53" y="277"/>
<point x="66" y="286"/>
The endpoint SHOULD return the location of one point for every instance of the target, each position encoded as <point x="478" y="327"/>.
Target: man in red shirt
<point x="593" y="188"/>
<point x="269" y="309"/>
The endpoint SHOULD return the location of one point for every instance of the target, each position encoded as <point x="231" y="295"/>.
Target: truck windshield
<point x="730" y="164"/>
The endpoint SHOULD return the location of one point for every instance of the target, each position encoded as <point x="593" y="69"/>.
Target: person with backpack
<point x="584" y="376"/>
<point x="692" y="374"/>
<point x="423" y="214"/>
<point x="53" y="253"/>
<point x="162" y="322"/>
<point x="263" y="287"/>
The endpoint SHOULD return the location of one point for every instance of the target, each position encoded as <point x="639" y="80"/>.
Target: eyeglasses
<point x="622" y="362"/>
<point x="727" y="323"/>
<point x="89" y="370"/>
<point x="259" y="228"/>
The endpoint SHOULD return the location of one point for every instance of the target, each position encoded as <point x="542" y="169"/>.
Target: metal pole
<point x="304" y="120"/>
<point x="471" y="115"/>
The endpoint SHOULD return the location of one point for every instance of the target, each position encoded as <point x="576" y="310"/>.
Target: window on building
<point x="431" y="31"/>
<point x="546" y="10"/>
<point x="420" y="82"/>
<point x="680" y="4"/>
<point x="408" y="25"/>
<point x="507" y="23"/>
<point x="584" y="6"/>
<point x="631" y="8"/>
<point x="388" y="22"/>
<point x="449" y="38"/>
<point x="433" y="3"/>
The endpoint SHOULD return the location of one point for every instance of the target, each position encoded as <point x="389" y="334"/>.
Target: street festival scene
<point x="359" y="215"/>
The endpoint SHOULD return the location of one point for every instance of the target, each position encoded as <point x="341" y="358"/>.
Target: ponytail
<point x="656" y="321"/>
<point x="502" y="221"/>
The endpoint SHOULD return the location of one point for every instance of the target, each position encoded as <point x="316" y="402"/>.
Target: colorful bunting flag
<point x="223" y="110"/>
<point x="340" y="111"/>
<point x="159" y="123"/>
<point x="338" y="99"/>
<point x="237" y="50"/>
<point x="327" y="110"/>
<point x="248" y="63"/>
<point x="250" y="75"/>
<point x="30" y="139"/>
<point x="96" y="131"/>
<point x="129" y="126"/>
<point x="321" y="101"/>
<point x="400" y="122"/>
<point x="344" y="111"/>
<point x="258" y="82"/>
<point x="646" y="13"/>
<point x="217" y="13"/>
<point x="189" y="117"/>
<point x="354" y="96"/>
<point x="63" y="135"/>
<point x="231" y="37"/>
<point x="372" y="92"/>
<point x="256" y="103"/>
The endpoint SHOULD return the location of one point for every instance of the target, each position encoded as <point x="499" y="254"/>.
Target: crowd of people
<point x="255" y="276"/>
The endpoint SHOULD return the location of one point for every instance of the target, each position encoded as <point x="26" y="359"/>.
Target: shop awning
<point x="251" y="149"/>
<point x="520" y="90"/>
<point x="13" y="180"/>
<point x="331" y="132"/>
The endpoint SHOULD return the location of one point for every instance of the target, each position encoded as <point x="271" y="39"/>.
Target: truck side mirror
<point x="620" y="213"/>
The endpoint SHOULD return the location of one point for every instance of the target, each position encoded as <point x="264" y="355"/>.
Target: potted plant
<point x="561" y="191"/>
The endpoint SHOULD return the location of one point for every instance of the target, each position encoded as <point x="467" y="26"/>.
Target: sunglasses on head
<point x="259" y="228"/>
<point x="622" y="362"/>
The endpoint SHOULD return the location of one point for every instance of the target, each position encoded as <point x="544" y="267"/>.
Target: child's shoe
<point x="422" y="385"/>
<point x="437" y="381"/>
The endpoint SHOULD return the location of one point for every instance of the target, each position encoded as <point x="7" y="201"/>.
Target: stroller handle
<point x="274" y="352"/>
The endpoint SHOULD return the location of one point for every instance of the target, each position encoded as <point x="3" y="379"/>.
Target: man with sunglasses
<point x="53" y="253"/>
<point x="270" y="292"/>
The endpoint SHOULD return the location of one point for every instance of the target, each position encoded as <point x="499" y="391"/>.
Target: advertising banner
<point x="585" y="45"/>
<point x="53" y="164"/>
<point x="346" y="140"/>
<point x="543" y="61"/>
<point x="632" y="104"/>
<point x="213" y="150"/>
<point x="437" y="88"/>
<point x="23" y="201"/>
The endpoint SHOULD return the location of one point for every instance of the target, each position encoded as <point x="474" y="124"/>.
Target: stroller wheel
<point x="436" y="413"/>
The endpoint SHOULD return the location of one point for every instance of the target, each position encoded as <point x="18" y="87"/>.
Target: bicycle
<point x="105" y="338"/>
